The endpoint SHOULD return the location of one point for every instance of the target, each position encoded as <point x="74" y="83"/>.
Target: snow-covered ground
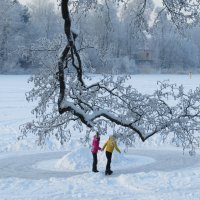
<point x="150" y="171"/>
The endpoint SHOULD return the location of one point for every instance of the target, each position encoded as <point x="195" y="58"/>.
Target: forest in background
<point x="108" y="36"/>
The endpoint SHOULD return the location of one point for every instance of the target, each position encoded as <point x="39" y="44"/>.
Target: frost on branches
<point x="66" y="94"/>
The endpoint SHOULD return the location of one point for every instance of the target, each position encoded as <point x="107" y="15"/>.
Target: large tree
<point x="65" y="97"/>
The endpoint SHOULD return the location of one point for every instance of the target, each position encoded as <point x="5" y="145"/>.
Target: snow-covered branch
<point x="110" y="101"/>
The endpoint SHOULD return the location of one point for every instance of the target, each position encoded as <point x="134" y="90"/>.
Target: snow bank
<point x="183" y="185"/>
<point x="81" y="160"/>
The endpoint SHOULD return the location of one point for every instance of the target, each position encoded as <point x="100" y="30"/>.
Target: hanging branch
<point x="109" y="102"/>
<point x="70" y="47"/>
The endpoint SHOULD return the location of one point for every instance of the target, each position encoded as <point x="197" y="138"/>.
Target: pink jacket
<point x="95" y="145"/>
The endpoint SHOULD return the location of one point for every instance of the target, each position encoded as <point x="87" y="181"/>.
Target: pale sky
<point x="27" y="1"/>
<point x="157" y="2"/>
<point x="23" y="1"/>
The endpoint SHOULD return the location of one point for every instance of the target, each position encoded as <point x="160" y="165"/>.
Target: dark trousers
<point x="94" y="166"/>
<point x="109" y="157"/>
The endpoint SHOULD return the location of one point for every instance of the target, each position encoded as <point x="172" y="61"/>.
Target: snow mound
<point x="75" y="160"/>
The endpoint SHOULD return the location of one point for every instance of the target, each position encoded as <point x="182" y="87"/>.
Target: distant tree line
<point x="108" y="33"/>
<point x="20" y="28"/>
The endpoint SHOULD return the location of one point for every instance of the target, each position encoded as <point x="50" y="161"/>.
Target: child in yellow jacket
<point x="109" y="146"/>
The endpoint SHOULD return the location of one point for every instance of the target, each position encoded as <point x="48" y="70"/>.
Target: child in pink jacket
<point x="94" y="150"/>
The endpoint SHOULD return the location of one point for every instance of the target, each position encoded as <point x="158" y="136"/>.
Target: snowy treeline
<point x="113" y="42"/>
<point x="13" y="32"/>
<point x="20" y="27"/>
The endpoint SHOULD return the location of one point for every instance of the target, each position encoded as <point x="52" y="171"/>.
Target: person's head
<point x="98" y="135"/>
<point x="112" y="137"/>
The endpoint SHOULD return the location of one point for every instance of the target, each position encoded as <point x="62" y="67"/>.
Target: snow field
<point x="80" y="160"/>
<point x="180" y="184"/>
<point x="15" y="110"/>
<point x="145" y="186"/>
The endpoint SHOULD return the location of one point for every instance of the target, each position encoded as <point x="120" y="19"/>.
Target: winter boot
<point x="95" y="170"/>
<point x="108" y="172"/>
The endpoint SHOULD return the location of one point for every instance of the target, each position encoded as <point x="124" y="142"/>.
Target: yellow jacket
<point x="110" y="145"/>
